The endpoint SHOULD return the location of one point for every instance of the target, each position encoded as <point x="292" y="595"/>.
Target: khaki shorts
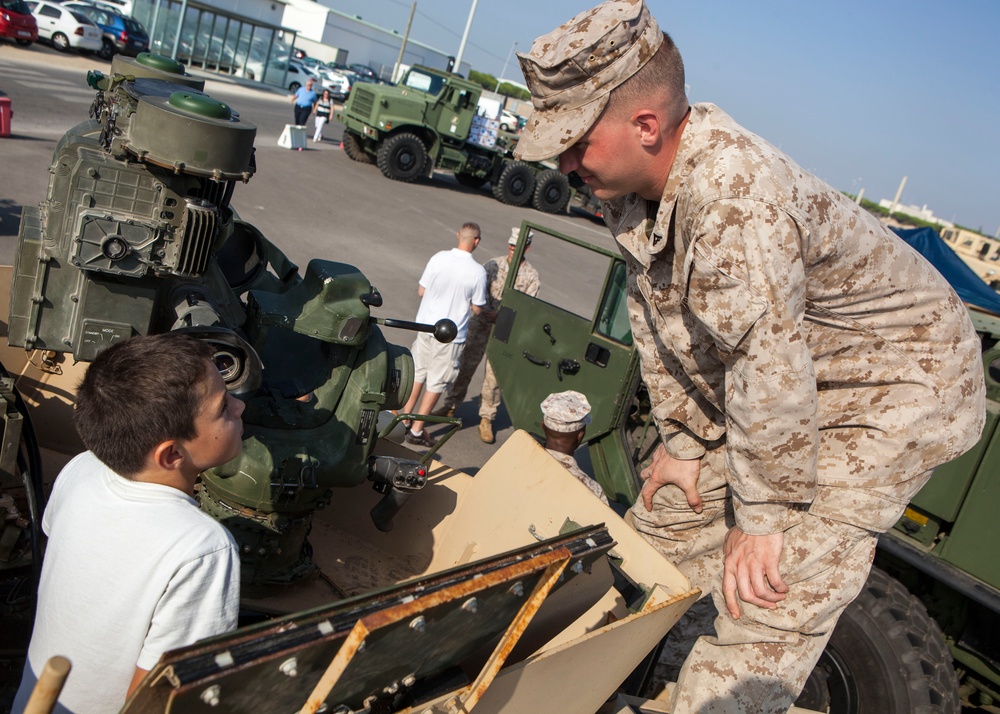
<point x="435" y="364"/>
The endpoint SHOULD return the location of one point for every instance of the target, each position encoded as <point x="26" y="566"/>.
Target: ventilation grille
<point x="200" y="225"/>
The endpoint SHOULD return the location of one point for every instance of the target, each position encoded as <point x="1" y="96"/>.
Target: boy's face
<point x="219" y="428"/>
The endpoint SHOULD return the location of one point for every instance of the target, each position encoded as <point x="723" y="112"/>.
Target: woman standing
<point x="324" y="105"/>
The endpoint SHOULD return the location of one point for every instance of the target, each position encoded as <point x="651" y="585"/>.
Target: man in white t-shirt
<point x="133" y="567"/>
<point x="452" y="284"/>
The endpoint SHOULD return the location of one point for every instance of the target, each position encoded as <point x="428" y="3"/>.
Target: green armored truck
<point x="924" y="634"/>
<point x="430" y="121"/>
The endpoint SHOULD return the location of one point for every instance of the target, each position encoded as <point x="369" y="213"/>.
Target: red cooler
<point x="5" y="114"/>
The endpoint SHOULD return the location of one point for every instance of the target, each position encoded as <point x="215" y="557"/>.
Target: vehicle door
<point x="49" y="20"/>
<point x="574" y="335"/>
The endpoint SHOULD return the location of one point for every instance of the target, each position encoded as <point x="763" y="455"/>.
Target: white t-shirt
<point x="131" y="570"/>
<point x="452" y="281"/>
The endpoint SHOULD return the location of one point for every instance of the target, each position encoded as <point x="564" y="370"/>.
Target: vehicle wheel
<point x="352" y="147"/>
<point x="294" y="87"/>
<point x="515" y="183"/>
<point x="402" y="157"/>
<point x="551" y="192"/>
<point x="886" y="656"/>
<point x="504" y="127"/>
<point x="24" y="43"/>
<point x="60" y="42"/>
<point x="470" y="181"/>
<point x="107" y="50"/>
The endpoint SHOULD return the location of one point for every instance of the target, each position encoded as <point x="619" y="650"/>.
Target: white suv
<point x="64" y="27"/>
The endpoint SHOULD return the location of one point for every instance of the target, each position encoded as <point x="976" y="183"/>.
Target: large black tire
<point x="402" y="157"/>
<point x="515" y="184"/>
<point x="551" y="192"/>
<point x="470" y="181"/>
<point x="107" y="50"/>
<point x="60" y="42"/>
<point x="886" y="656"/>
<point x="353" y="149"/>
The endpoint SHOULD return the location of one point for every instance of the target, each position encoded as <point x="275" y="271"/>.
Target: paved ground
<point x="314" y="203"/>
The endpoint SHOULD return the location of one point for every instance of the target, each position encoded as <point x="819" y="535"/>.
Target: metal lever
<point x="535" y="360"/>
<point x="547" y="329"/>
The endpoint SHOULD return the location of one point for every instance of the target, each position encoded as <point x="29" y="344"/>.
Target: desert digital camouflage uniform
<point x="816" y="364"/>
<point x="570" y="463"/>
<point x="527" y="282"/>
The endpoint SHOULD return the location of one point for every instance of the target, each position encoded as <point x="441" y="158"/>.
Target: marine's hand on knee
<point x="750" y="570"/>
<point x="666" y="470"/>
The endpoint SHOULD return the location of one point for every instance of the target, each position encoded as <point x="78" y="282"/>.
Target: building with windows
<point x="255" y="38"/>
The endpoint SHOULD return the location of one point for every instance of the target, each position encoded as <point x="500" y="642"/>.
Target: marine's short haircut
<point x="469" y="227"/>
<point x="139" y="393"/>
<point x="664" y="71"/>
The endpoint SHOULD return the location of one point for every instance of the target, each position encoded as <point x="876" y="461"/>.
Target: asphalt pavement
<point x="315" y="203"/>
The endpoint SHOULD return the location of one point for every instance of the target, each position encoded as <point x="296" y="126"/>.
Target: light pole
<point x="504" y="70"/>
<point x="465" y="37"/>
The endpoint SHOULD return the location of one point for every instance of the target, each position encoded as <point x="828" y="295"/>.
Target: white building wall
<point x="269" y="11"/>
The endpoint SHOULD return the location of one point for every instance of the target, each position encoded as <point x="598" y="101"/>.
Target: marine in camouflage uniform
<point x="527" y="282"/>
<point x="565" y="416"/>
<point x="806" y="368"/>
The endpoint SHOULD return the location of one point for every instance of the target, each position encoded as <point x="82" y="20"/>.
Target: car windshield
<point x="18" y="6"/>
<point x="430" y="83"/>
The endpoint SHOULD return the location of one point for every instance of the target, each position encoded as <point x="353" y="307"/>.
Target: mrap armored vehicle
<point x="373" y="579"/>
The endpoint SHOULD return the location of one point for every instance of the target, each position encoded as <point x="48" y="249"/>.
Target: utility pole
<point x="465" y="37"/>
<point x="402" y="47"/>
<point x="861" y="194"/>
<point x="895" y="201"/>
<point x="504" y="70"/>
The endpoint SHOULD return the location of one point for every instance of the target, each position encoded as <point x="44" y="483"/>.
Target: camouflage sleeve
<point x="746" y="285"/>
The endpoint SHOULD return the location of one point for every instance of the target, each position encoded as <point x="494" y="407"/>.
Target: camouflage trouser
<point x="760" y="662"/>
<point x="475" y="347"/>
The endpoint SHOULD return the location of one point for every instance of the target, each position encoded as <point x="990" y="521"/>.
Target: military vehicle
<point x="430" y="589"/>
<point x="430" y="121"/>
<point x="924" y="635"/>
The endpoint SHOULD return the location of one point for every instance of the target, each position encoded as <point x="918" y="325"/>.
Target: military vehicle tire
<point x="551" y="192"/>
<point x="60" y="42"/>
<point x="352" y="147"/>
<point x="107" y="50"/>
<point x="886" y="656"/>
<point x="470" y="181"/>
<point x="402" y="157"/>
<point x="515" y="184"/>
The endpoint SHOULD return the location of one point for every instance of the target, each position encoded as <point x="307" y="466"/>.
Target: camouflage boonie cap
<point x="514" y="233"/>
<point x="565" y="411"/>
<point x="572" y="70"/>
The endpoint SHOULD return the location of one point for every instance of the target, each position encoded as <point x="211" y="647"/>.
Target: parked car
<point x="17" y="22"/>
<point x="509" y="121"/>
<point x="363" y="70"/>
<point x="66" y="28"/>
<point x="122" y="35"/>
<point x="338" y="83"/>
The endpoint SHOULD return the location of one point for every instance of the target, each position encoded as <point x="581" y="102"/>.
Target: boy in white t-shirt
<point x="133" y="567"/>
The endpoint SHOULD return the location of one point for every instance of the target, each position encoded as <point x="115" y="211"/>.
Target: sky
<point x="859" y="93"/>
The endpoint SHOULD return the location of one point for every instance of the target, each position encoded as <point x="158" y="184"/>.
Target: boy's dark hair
<point x="138" y="394"/>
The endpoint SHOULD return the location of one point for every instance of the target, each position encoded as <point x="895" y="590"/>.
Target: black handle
<point x="535" y="360"/>
<point x="547" y="329"/>
<point x="398" y="479"/>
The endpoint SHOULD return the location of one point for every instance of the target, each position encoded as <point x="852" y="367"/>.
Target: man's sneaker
<point x="486" y="431"/>
<point x="424" y="439"/>
<point x="444" y="410"/>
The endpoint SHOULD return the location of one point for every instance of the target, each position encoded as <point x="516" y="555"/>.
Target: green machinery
<point x="429" y="121"/>
<point x="136" y="235"/>
<point x="931" y="609"/>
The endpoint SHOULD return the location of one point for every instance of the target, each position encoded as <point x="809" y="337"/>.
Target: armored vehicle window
<point x="612" y="321"/>
<point x="424" y="82"/>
